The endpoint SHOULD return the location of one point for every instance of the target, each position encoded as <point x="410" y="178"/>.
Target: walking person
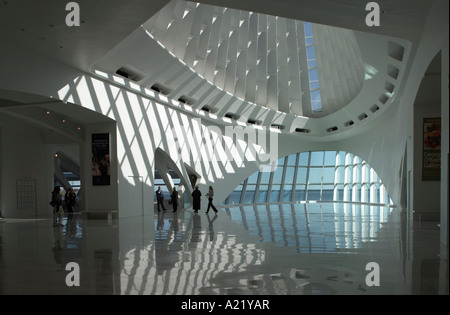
<point x="196" y="194"/>
<point x="57" y="208"/>
<point x="160" y="198"/>
<point x="174" y="197"/>
<point x="210" y="196"/>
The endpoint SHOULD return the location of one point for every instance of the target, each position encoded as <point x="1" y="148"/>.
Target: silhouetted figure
<point x="56" y="204"/>
<point x="160" y="198"/>
<point x="196" y="195"/>
<point x="69" y="198"/>
<point x="210" y="196"/>
<point x="174" y="197"/>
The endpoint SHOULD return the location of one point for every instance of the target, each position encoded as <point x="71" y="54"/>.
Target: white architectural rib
<point x="261" y="58"/>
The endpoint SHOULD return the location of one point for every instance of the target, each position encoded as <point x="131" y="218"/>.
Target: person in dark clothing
<point x="160" y="198"/>
<point x="210" y="196"/>
<point x="196" y="194"/>
<point x="56" y="204"/>
<point x="174" y="197"/>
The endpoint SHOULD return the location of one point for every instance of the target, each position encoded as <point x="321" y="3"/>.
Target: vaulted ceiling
<point x="263" y="59"/>
<point x="248" y="62"/>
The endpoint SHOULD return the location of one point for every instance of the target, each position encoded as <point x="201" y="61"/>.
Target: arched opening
<point x="46" y="142"/>
<point x="427" y="144"/>
<point x="168" y="176"/>
<point x="319" y="201"/>
<point x="67" y="175"/>
<point x="313" y="176"/>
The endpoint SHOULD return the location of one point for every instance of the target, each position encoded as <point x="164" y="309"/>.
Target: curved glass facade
<point x="313" y="176"/>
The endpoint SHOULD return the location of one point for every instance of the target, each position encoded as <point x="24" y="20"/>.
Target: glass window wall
<point x="313" y="176"/>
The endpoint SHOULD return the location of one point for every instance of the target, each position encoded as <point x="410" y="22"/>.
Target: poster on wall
<point x="431" y="158"/>
<point x="100" y="159"/>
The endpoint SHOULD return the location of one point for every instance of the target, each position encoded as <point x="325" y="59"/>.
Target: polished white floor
<point x="261" y="249"/>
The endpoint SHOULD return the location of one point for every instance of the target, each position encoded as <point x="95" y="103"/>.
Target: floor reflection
<point x="188" y="255"/>
<point x="313" y="227"/>
<point x="255" y="250"/>
<point x="259" y="249"/>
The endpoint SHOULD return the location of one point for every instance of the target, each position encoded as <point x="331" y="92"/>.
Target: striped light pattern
<point x="264" y="59"/>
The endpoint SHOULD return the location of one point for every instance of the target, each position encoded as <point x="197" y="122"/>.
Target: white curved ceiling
<point x="263" y="59"/>
<point x="249" y="67"/>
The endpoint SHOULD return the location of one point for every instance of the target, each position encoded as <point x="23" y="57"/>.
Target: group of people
<point x="173" y="198"/>
<point x="56" y="203"/>
<point x="196" y="199"/>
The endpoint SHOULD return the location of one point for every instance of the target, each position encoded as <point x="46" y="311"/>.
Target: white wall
<point x="98" y="198"/>
<point x="24" y="157"/>
<point x="427" y="196"/>
<point x="426" y="105"/>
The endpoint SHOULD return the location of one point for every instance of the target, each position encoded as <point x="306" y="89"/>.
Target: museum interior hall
<point x="224" y="148"/>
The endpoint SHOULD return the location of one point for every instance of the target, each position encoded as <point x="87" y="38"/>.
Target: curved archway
<point x="57" y="136"/>
<point x="315" y="202"/>
<point x="313" y="176"/>
<point x="168" y="173"/>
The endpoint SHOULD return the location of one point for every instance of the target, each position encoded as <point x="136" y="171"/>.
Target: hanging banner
<point x="100" y="159"/>
<point x="431" y="157"/>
